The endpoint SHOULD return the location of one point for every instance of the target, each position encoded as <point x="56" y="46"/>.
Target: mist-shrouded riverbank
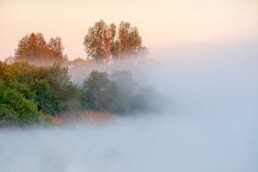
<point x="209" y="123"/>
<point x="165" y="143"/>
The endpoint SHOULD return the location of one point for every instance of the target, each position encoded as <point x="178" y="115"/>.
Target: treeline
<point x="31" y="94"/>
<point x="28" y="93"/>
<point x="102" y="43"/>
<point x="35" y="83"/>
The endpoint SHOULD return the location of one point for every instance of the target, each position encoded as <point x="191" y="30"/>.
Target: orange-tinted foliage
<point x="37" y="51"/>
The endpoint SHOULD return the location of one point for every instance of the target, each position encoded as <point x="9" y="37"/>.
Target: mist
<point x="209" y="122"/>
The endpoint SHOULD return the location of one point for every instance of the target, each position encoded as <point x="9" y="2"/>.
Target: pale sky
<point x="162" y="23"/>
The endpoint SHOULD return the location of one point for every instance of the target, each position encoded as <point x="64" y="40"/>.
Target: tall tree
<point x="31" y="47"/>
<point x="128" y="43"/>
<point x="98" y="41"/>
<point x="55" y="50"/>
<point x="35" y="49"/>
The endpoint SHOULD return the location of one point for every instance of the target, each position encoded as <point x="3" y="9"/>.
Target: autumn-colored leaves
<point x="103" y="40"/>
<point x="35" y="49"/>
<point x="102" y="43"/>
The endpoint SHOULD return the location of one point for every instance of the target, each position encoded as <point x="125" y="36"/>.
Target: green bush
<point x="26" y="111"/>
<point x="8" y="116"/>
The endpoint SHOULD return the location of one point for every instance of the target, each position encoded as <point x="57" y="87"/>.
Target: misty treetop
<point x="102" y="43"/>
<point x="103" y="40"/>
<point x="36" y="50"/>
<point x="99" y="40"/>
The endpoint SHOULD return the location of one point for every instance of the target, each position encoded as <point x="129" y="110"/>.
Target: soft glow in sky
<point x="162" y="23"/>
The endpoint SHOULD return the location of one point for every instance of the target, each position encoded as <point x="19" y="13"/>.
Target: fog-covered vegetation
<point x="36" y="82"/>
<point x="31" y="94"/>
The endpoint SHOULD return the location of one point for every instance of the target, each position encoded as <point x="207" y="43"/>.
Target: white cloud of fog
<point x="212" y="125"/>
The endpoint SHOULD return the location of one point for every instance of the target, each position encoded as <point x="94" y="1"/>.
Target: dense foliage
<point x="29" y="94"/>
<point x="99" y="93"/>
<point x="102" y="40"/>
<point x="99" y="40"/>
<point x="117" y="93"/>
<point x="35" y="83"/>
<point x="15" y="108"/>
<point x="36" y="50"/>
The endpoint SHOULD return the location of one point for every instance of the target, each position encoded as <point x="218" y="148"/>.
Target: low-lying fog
<point x="209" y="123"/>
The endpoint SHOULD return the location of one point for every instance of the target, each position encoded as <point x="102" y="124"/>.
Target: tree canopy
<point x="28" y="93"/>
<point x="116" y="93"/>
<point x="99" y="92"/>
<point x="14" y="107"/>
<point x="34" y="49"/>
<point x="128" y="42"/>
<point x="102" y="40"/>
<point x="99" y="39"/>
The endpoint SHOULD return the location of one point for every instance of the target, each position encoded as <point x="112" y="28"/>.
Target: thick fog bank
<point x="209" y="124"/>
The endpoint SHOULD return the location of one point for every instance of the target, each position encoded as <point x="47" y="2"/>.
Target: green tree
<point x="3" y="71"/>
<point x="124" y="81"/>
<point x="99" y="92"/>
<point x="22" y="88"/>
<point x="126" y="90"/>
<point x="61" y="86"/>
<point x="13" y="102"/>
<point x="42" y="90"/>
<point x="8" y="116"/>
<point x="15" y="71"/>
